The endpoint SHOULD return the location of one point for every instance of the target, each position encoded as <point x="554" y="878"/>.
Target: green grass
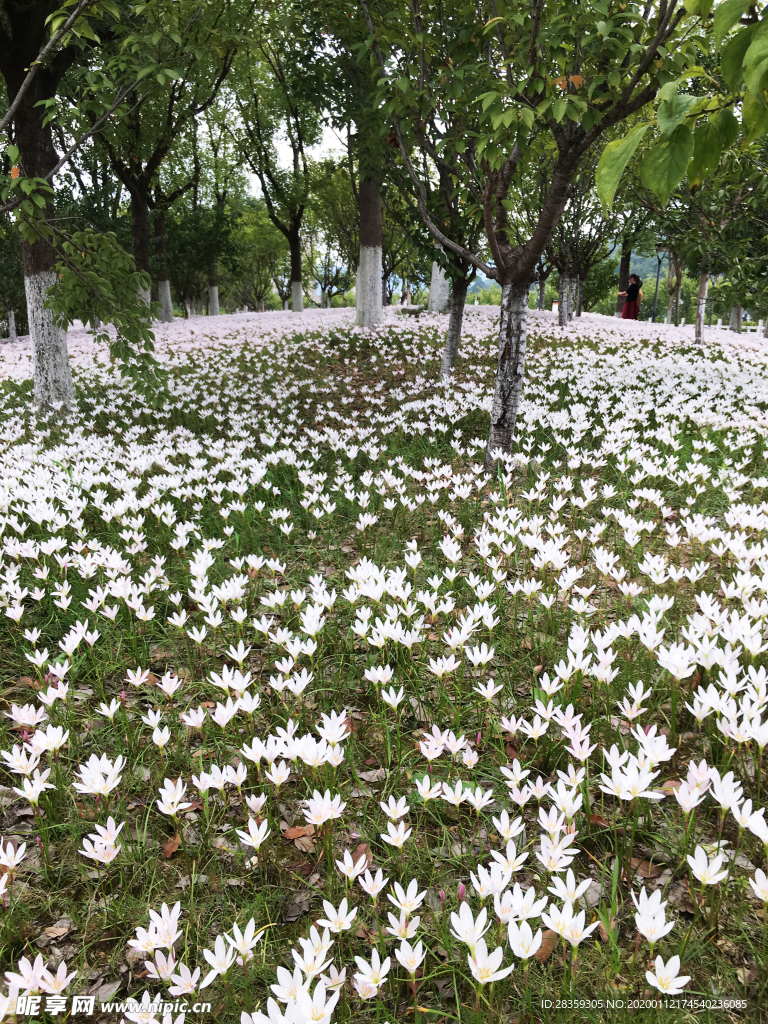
<point x="251" y="392"/>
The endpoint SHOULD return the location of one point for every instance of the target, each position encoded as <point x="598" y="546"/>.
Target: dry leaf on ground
<point x="645" y="868"/>
<point x="548" y="943"/>
<point x="170" y="846"/>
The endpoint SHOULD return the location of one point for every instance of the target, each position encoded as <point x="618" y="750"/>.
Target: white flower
<point x="667" y="977"/>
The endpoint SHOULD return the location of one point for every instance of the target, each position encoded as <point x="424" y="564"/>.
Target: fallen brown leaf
<point x="670" y="785"/>
<point x="303" y="868"/>
<point x="298" y="831"/>
<point x="170" y="846"/>
<point x="645" y="868"/>
<point x="548" y="942"/>
<point x="296" y="909"/>
<point x="598" y="819"/>
<point x="57" y="932"/>
<point x="362" y="849"/>
<point x="305" y="843"/>
<point x="747" y="976"/>
<point x="603" y="931"/>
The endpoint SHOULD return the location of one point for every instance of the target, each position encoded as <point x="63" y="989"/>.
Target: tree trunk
<point x="163" y="283"/>
<point x="624" y="264"/>
<point x="453" y="337"/>
<point x="735" y="324"/>
<point x="510" y="371"/>
<point x="542" y="294"/>
<point x="673" y="311"/>
<point x="53" y="389"/>
<point x="439" y="288"/>
<point x="297" y="288"/>
<point x="572" y="286"/>
<point x="369" y="285"/>
<point x="11" y="325"/>
<point x="214" y="309"/>
<point x="140" y="236"/>
<point x="701" y="306"/>
<point x="562" y="300"/>
<point x="24" y="31"/>
<point x="580" y="282"/>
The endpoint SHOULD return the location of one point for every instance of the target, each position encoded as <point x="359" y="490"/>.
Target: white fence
<point x="746" y="328"/>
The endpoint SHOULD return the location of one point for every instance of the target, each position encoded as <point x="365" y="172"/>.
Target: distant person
<point x="634" y="296"/>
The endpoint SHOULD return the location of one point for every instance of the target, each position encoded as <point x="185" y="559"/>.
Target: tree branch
<point x="421" y="196"/>
<point x="37" y="63"/>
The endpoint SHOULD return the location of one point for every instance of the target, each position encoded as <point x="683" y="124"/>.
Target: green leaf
<point x="663" y="167"/>
<point x="698" y="7"/>
<point x="13" y="154"/>
<point x="755" y="115"/>
<point x="673" y="112"/>
<point x="756" y="78"/>
<point x="613" y="160"/>
<point x="728" y="126"/>
<point x="707" y="146"/>
<point x="757" y="51"/>
<point x="726" y="16"/>
<point x="668" y="91"/>
<point x="559" y="108"/>
<point x="732" y="57"/>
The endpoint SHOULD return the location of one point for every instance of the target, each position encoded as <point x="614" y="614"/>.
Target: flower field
<point x="307" y="718"/>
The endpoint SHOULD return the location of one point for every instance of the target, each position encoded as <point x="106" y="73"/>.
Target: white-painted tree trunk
<point x="166" y="302"/>
<point x="735" y="323"/>
<point x="439" y="288"/>
<point x="562" y="301"/>
<point x="701" y="307"/>
<point x="213" y="300"/>
<point x="11" y="325"/>
<point x="368" y="287"/>
<point x="145" y="295"/>
<point x="297" y="296"/>
<point x="50" y="360"/>
<point x="285" y="304"/>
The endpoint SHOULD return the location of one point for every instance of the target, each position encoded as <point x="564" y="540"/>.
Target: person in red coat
<point x="634" y="296"/>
